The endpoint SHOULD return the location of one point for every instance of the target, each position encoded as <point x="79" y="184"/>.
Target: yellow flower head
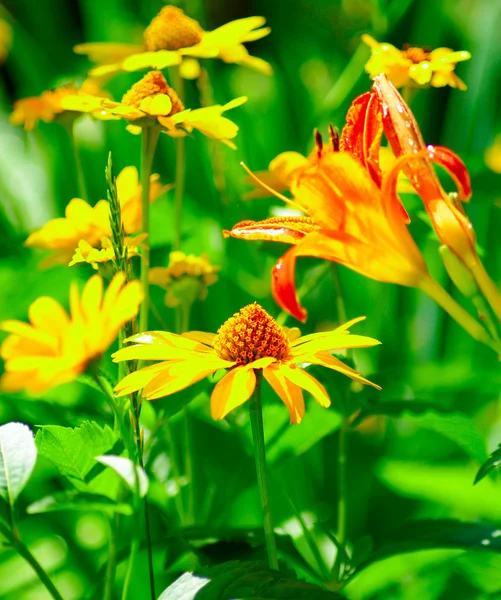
<point x="173" y="38"/>
<point x="84" y="227"/>
<point x="49" y="106"/>
<point x="186" y="278"/>
<point x="55" y="348"/>
<point x="250" y="340"/>
<point x="5" y="39"/>
<point x="151" y="102"/>
<point x="414" y="65"/>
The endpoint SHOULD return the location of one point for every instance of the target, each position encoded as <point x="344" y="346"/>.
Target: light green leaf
<point x="133" y="475"/>
<point x="75" y="501"/>
<point x="73" y="449"/>
<point x="184" y="588"/>
<point x="18" y="455"/>
<point x="492" y="462"/>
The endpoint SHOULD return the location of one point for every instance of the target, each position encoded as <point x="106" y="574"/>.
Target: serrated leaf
<point x="245" y="581"/>
<point x="492" y="462"/>
<point x="76" y="501"/>
<point x="18" y="455"/>
<point x="133" y="475"/>
<point x="73" y="449"/>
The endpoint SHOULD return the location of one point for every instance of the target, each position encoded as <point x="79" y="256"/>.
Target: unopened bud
<point x="459" y="273"/>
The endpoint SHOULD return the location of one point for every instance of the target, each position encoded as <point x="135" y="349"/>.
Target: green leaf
<point x="73" y="449"/>
<point x="491" y="463"/>
<point x="243" y="581"/>
<point x="133" y="475"/>
<point x="395" y="408"/>
<point x="18" y="455"/>
<point x="76" y="501"/>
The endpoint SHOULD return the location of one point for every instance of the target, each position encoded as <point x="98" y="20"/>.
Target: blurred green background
<point x="417" y="463"/>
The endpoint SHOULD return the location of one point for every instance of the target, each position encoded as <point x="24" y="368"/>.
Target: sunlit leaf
<point x="18" y="455"/>
<point x="491" y="463"/>
<point x="134" y="476"/>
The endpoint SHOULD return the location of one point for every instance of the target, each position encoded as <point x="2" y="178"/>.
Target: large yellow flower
<point x="250" y="340"/>
<point x="48" y="107"/>
<point x="91" y="224"/>
<point x="55" y="348"/>
<point x="173" y="38"/>
<point x="151" y="102"/>
<point x="414" y="65"/>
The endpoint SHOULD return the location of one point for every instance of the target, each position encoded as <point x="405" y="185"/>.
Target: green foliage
<point x="77" y="501"/>
<point x="244" y="580"/>
<point x="491" y="463"/>
<point x="134" y="476"/>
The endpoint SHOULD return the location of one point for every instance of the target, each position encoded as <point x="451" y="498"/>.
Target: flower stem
<point x="341" y="484"/>
<point x="489" y="290"/>
<point x="180" y="170"/>
<point x="111" y="565"/>
<point x="149" y="143"/>
<point x="457" y="312"/>
<point x="24" y="552"/>
<point x="130" y="563"/>
<point x="256" y="418"/>
<point x="78" y="161"/>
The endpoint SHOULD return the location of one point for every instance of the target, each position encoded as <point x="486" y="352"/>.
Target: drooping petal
<point x="456" y="168"/>
<point x="235" y="388"/>
<point x="334" y="341"/>
<point x="290" y="394"/>
<point x="324" y="359"/>
<point x="304" y="380"/>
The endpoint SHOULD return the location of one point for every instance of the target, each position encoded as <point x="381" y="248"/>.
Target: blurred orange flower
<point x="55" y="348"/>
<point x="173" y="38"/>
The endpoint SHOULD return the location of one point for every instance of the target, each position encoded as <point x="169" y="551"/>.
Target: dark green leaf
<point x="491" y="463"/>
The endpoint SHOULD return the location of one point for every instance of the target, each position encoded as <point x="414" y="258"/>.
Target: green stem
<point x="149" y="143"/>
<point x="457" y="312"/>
<point x="341" y="485"/>
<point x="78" y="161"/>
<point x="178" y="500"/>
<point x="111" y="565"/>
<point x="179" y="191"/>
<point x="256" y="418"/>
<point x="489" y="290"/>
<point x="130" y="563"/>
<point x="24" y="552"/>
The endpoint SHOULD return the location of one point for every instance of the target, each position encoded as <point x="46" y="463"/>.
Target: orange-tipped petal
<point x="231" y="391"/>
<point x="456" y="168"/>
<point x="290" y="394"/>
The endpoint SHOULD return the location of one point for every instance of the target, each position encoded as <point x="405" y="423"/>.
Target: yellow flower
<point x="55" y="348"/>
<point x="5" y="39"/>
<point x="186" y="278"/>
<point x="48" y="107"/>
<point x="492" y="155"/>
<point x="173" y="38"/>
<point x="90" y="225"/>
<point x="104" y="251"/>
<point x="152" y="102"/>
<point x="414" y="65"/>
<point x="250" y="340"/>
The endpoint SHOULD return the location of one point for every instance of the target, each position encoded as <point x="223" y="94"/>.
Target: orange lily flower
<point x="447" y="215"/>
<point x="353" y="213"/>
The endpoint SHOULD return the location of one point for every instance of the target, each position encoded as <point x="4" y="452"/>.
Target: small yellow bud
<point x="459" y="273"/>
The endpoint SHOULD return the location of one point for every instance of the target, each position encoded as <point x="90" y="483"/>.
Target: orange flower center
<point x="151" y="84"/>
<point x="171" y="29"/>
<point x="250" y="334"/>
<point x="416" y="54"/>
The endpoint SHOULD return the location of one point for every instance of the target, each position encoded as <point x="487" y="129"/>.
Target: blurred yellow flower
<point x="185" y="279"/>
<point x="492" y="155"/>
<point x="414" y="65"/>
<point x="152" y="102"/>
<point x="250" y="340"/>
<point x="5" y="40"/>
<point x="48" y="107"/>
<point x="55" y="348"/>
<point x="86" y="227"/>
<point x="103" y="251"/>
<point x="173" y="38"/>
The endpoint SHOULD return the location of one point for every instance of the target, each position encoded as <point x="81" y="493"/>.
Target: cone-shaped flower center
<point x="152" y="84"/>
<point x="251" y="334"/>
<point x="416" y="54"/>
<point x="171" y="29"/>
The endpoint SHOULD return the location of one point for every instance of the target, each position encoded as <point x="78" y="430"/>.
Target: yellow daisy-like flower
<point x="55" y="348"/>
<point x="151" y="102"/>
<point x="250" y="340"/>
<point x="5" y="39"/>
<point x="414" y="65"/>
<point x="173" y="38"/>
<point x="186" y="278"/>
<point x="48" y="107"/>
<point x="85" y="226"/>
<point x="103" y="251"/>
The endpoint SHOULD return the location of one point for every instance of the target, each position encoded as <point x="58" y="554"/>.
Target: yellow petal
<point x="48" y="316"/>
<point x="304" y="380"/>
<point x="231" y="391"/>
<point x="158" y="105"/>
<point x="331" y="362"/>
<point x="421" y="73"/>
<point x="290" y="394"/>
<point x="189" y="68"/>
<point x="200" y="336"/>
<point x="334" y="341"/>
<point x="154" y="60"/>
<point x="92" y="296"/>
